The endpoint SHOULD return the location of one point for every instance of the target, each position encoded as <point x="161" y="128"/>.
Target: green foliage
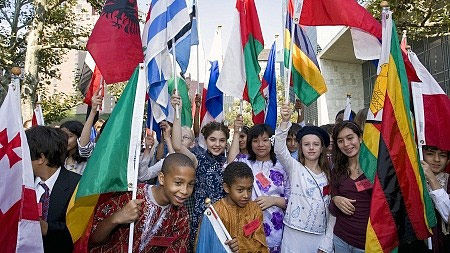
<point x="421" y="18"/>
<point x="56" y="107"/>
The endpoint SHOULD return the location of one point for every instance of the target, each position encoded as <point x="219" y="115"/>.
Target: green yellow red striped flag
<point x="401" y="209"/>
<point x="111" y="166"/>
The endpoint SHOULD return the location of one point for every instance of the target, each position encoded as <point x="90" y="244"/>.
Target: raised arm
<point x="280" y="147"/>
<point x="96" y="101"/>
<point x="198" y="102"/>
<point x="167" y="135"/>
<point x="176" y="133"/>
<point x="300" y="109"/>
<point x="234" y="148"/>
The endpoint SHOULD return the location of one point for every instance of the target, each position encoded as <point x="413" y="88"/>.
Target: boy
<point x="242" y="217"/>
<point x="434" y="164"/>
<point x="161" y="220"/>
<point x="53" y="183"/>
<point x="291" y="140"/>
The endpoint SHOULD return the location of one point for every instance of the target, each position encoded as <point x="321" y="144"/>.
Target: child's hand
<point x="233" y="244"/>
<point x="96" y="100"/>
<point x="149" y="141"/>
<point x="238" y="124"/>
<point x="344" y="204"/>
<point x="265" y="202"/>
<point x="298" y="105"/>
<point x="166" y="129"/>
<point x="285" y="112"/>
<point x="175" y="100"/>
<point x="198" y="99"/>
<point x="129" y="213"/>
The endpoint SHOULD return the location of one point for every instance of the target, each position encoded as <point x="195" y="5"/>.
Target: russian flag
<point x="212" y="97"/>
<point x="211" y="236"/>
<point x="269" y="84"/>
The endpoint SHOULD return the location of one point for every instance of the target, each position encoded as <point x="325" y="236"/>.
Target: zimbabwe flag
<point x="401" y="209"/>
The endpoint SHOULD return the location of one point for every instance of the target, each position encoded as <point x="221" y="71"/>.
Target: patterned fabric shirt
<point x="208" y="184"/>
<point x="278" y="187"/>
<point x="156" y="224"/>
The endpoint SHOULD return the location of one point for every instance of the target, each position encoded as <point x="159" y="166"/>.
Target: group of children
<point x="295" y="189"/>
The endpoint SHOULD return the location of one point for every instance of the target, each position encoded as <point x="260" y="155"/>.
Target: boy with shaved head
<point x="161" y="220"/>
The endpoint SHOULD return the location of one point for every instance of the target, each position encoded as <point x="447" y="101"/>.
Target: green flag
<point x="186" y="110"/>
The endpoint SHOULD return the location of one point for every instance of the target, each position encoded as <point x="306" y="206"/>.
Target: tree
<point x="421" y="18"/>
<point x="35" y="35"/>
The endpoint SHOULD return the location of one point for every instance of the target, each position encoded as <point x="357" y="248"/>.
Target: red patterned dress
<point x="159" y="229"/>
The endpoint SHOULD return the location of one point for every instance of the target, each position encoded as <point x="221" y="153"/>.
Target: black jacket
<point x="58" y="238"/>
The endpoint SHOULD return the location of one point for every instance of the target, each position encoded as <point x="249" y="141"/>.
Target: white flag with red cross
<point x="20" y="229"/>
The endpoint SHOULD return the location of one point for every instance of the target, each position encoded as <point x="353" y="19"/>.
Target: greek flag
<point x="165" y="20"/>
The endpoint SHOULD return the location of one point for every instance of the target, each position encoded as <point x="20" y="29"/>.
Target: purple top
<point x="352" y="228"/>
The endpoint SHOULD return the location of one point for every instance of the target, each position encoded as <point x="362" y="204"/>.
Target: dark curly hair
<point x="340" y="170"/>
<point x="254" y="132"/>
<point x="209" y="128"/>
<point x="236" y="170"/>
<point x="76" y="128"/>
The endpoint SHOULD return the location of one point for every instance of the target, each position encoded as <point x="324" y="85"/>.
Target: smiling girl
<point x="351" y="191"/>
<point x="271" y="185"/>
<point x="308" y="223"/>
<point x="209" y="166"/>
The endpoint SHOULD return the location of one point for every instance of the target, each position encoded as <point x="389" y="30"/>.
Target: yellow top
<point x="235" y="218"/>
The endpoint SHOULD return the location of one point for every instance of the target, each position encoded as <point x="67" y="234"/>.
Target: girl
<point x="271" y="185"/>
<point x="351" y="191"/>
<point x="308" y="224"/>
<point x="74" y="162"/>
<point x="243" y="139"/>
<point x="209" y="164"/>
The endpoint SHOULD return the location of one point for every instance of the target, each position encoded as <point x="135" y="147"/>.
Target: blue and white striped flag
<point x="187" y="37"/>
<point x="165" y="20"/>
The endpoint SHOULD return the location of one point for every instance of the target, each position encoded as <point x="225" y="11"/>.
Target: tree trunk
<point x="31" y="81"/>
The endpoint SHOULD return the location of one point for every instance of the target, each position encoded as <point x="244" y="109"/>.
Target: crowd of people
<point x="297" y="188"/>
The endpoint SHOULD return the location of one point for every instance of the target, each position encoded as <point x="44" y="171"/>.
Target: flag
<point x="115" y="42"/>
<point x="401" y="210"/>
<point x="348" y="110"/>
<point x="164" y="21"/>
<point x="404" y="43"/>
<point x="38" y="116"/>
<point x="95" y="84"/>
<point x="185" y="38"/>
<point x="212" y="97"/>
<point x="111" y="166"/>
<point x="19" y="219"/>
<point x="186" y="109"/>
<point x="306" y="78"/>
<point x="365" y="29"/>
<point x="269" y="83"/>
<point x="432" y="106"/>
<point x="211" y="237"/>
<point x="241" y="69"/>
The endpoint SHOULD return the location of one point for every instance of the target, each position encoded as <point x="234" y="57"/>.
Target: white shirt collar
<point x="50" y="182"/>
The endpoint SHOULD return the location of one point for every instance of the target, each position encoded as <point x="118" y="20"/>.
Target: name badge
<point x="251" y="227"/>
<point x="326" y="190"/>
<point x="363" y="185"/>
<point x="39" y="206"/>
<point x="162" y="241"/>
<point x="263" y="180"/>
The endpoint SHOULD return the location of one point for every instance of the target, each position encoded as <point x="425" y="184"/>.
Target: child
<point x="434" y="164"/>
<point x="53" y="183"/>
<point x="271" y="185"/>
<point x="74" y="161"/>
<point x="308" y="223"/>
<point x="209" y="164"/>
<point x="237" y="210"/>
<point x="350" y="189"/>
<point x="161" y="220"/>
<point x="243" y="152"/>
<point x="291" y="141"/>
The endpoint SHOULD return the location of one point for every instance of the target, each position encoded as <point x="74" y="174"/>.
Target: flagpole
<point x="198" y="49"/>
<point x="137" y="153"/>
<point x="295" y="21"/>
<point x="177" y="107"/>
